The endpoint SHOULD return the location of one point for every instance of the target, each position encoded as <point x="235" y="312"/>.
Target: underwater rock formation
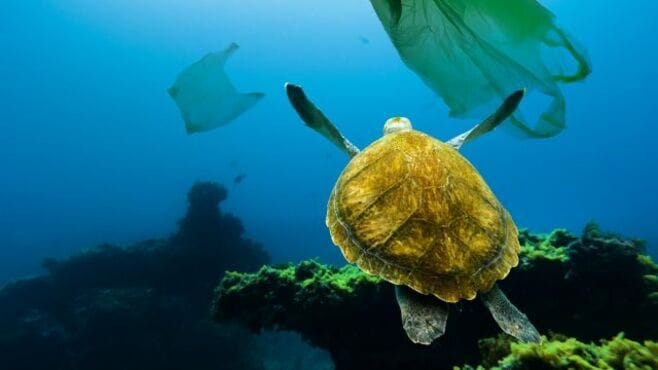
<point x="141" y="307"/>
<point x="587" y="287"/>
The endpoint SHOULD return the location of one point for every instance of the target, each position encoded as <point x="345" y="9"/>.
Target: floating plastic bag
<point x="474" y="53"/>
<point x="206" y="97"/>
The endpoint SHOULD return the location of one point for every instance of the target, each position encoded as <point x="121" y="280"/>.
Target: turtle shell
<point x="415" y="212"/>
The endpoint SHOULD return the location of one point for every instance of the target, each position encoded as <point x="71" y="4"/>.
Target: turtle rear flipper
<point x="509" y="318"/>
<point x="423" y="317"/>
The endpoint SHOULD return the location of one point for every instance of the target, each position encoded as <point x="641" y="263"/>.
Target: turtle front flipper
<point x="315" y="119"/>
<point x="424" y="317"/>
<point x="509" y="318"/>
<point x="499" y="116"/>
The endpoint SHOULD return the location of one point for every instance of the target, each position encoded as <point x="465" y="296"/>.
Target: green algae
<point x="544" y="251"/>
<point x="618" y="353"/>
<point x="651" y="279"/>
<point x="282" y="296"/>
<point x="306" y="275"/>
<point x="647" y="262"/>
<point x="345" y="279"/>
<point x="570" y="353"/>
<point x="555" y="246"/>
<point x="551" y="247"/>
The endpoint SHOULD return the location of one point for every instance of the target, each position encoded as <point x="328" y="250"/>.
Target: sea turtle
<point x="413" y="211"/>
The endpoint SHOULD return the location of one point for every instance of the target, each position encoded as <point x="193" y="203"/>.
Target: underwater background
<point x="93" y="150"/>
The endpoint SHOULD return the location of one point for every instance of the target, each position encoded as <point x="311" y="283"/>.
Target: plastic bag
<point x="474" y="53"/>
<point x="206" y="97"/>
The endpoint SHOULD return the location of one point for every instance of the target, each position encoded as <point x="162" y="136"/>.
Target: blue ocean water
<point x="92" y="149"/>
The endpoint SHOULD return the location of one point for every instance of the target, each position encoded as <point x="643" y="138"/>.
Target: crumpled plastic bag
<point x="206" y="97"/>
<point x="474" y="53"/>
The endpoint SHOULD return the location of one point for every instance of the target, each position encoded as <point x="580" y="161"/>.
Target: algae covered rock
<point x="345" y="311"/>
<point x="311" y="298"/>
<point x="588" y="287"/>
<point x="290" y="292"/>
<point x="352" y="315"/>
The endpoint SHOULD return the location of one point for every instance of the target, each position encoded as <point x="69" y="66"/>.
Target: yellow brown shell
<point x="415" y="212"/>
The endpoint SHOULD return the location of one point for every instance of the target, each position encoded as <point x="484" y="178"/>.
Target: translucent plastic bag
<point x="474" y="53"/>
<point x="206" y="97"/>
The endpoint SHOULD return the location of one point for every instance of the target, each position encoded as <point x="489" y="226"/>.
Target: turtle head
<point x="396" y="124"/>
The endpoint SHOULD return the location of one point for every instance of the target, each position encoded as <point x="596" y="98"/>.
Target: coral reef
<point x="587" y="287"/>
<point x="140" y="307"/>
<point x="569" y="353"/>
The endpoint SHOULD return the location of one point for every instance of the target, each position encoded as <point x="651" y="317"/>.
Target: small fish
<point x="233" y="163"/>
<point x="238" y="179"/>
<point x="364" y="40"/>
